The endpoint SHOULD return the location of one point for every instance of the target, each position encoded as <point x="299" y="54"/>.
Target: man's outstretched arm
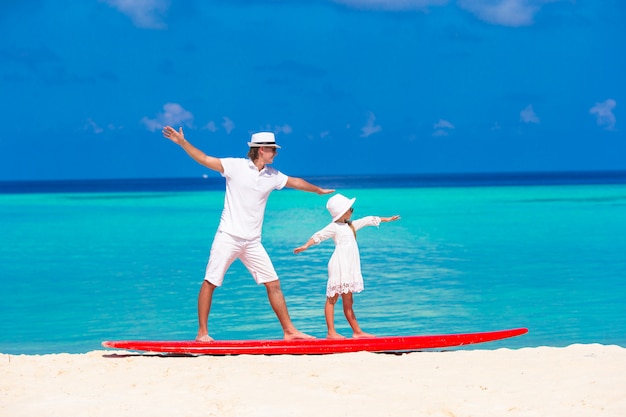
<point x="200" y="157"/>
<point x="302" y="185"/>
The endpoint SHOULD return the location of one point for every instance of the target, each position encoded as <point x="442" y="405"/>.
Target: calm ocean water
<point x="92" y="261"/>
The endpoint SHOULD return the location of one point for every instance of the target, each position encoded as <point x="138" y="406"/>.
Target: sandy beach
<point x="579" y="380"/>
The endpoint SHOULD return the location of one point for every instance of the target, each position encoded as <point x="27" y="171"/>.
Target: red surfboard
<point x="314" y="346"/>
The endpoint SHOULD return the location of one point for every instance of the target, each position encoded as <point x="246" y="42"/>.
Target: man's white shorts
<point x="226" y="248"/>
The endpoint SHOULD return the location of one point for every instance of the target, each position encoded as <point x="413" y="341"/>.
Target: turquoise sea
<point x="83" y="262"/>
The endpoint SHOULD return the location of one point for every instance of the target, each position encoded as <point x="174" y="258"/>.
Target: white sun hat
<point x="338" y="204"/>
<point x="263" y="139"/>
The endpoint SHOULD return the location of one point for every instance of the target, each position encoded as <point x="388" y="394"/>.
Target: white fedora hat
<point x="338" y="204"/>
<point x="263" y="139"/>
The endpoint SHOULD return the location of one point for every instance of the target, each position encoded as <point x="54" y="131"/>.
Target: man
<point x="249" y="183"/>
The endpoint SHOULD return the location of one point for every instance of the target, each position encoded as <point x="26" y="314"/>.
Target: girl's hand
<point x="304" y="247"/>
<point x="390" y="219"/>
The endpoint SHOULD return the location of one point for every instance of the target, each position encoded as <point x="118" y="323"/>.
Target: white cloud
<point x="504" y="12"/>
<point x="370" y="127"/>
<point x="528" y="115"/>
<point x="173" y="114"/>
<point x="604" y="113"/>
<point x="442" y="128"/>
<point x="283" y="129"/>
<point x="443" y="124"/>
<point x="93" y="126"/>
<point x="211" y="126"/>
<point x="228" y="124"/>
<point x="392" y="4"/>
<point x="498" y="12"/>
<point x="147" y="14"/>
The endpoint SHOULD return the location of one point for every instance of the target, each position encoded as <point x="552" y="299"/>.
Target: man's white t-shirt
<point x="247" y="191"/>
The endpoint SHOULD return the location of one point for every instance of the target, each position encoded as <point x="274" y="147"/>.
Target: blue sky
<point x="348" y="86"/>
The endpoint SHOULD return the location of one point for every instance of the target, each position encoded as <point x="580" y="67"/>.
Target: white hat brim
<point x="259" y="145"/>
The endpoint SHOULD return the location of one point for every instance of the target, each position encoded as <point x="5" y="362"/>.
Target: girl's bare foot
<point x="335" y="335"/>
<point x="204" y="338"/>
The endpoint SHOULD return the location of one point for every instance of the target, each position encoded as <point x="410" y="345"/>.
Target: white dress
<point x="344" y="266"/>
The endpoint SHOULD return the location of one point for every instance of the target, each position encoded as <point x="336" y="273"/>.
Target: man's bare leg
<point x="277" y="301"/>
<point x="204" y="308"/>
<point x="347" y="302"/>
<point x="329" y="313"/>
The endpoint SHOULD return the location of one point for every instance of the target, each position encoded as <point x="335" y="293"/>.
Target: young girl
<point x="344" y="267"/>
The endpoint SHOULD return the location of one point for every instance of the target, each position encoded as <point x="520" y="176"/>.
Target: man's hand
<point x="176" y="137"/>
<point x="326" y="191"/>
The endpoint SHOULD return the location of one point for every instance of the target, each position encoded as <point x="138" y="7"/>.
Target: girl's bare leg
<point x="329" y="312"/>
<point x="351" y="317"/>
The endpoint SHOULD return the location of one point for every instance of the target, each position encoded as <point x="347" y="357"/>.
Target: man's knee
<point x="207" y="286"/>
<point x="272" y="286"/>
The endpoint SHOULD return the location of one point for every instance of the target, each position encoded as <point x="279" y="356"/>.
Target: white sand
<point x="580" y="380"/>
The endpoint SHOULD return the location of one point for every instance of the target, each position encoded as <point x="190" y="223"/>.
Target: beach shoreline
<point x="578" y="380"/>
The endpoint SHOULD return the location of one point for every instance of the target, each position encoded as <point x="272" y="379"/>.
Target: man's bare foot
<point x="335" y="335"/>
<point x="204" y="338"/>
<point x="297" y="335"/>
<point x="362" y="335"/>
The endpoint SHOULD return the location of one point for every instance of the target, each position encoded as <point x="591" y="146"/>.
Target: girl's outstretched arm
<point x="304" y="247"/>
